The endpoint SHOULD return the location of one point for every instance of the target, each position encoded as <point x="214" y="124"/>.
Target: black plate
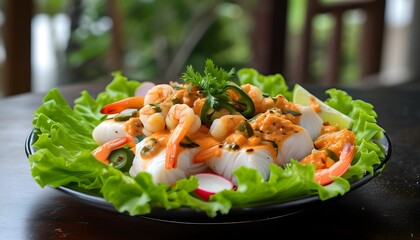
<point x="236" y="215"/>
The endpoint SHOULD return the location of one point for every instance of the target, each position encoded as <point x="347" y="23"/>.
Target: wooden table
<point x="388" y="207"/>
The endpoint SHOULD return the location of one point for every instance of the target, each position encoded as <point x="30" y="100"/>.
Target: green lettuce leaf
<point x="270" y="84"/>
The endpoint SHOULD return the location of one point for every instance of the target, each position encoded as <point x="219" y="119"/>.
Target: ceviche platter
<point x="212" y="146"/>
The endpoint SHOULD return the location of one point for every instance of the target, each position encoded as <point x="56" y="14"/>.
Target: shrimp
<point x="256" y="95"/>
<point x="102" y="152"/>
<point x="335" y="140"/>
<point x="154" y="113"/>
<point x="119" y="106"/>
<point x="324" y="176"/>
<point x="261" y="103"/>
<point x="267" y="103"/>
<point x="158" y="93"/>
<point x="183" y="117"/>
<point x="198" y="105"/>
<point x="224" y="126"/>
<point x="152" y="119"/>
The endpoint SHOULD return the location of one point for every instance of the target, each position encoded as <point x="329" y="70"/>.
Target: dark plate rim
<point x="236" y="215"/>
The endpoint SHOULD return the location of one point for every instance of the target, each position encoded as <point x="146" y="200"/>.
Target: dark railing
<point x="370" y="42"/>
<point x="17" y="39"/>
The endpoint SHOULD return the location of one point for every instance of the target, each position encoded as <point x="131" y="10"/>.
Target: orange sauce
<point x="133" y="127"/>
<point x="315" y="105"/>
<point x="154" y="144"/>
<point x="326" y="128"/>
<point x="274" y="126"/>
<point x="335" y="140"/>
<point x="204" y="140"/>
<point x="320" y="159"/>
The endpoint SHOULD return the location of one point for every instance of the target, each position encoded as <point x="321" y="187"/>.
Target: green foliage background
<point x="159" y="38"/>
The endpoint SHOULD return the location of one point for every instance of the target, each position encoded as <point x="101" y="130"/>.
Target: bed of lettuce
<point x="63" y="156"/>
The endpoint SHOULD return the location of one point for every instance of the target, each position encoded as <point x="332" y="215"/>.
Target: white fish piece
<point x="108" y="130"/>
<point x="230" y="160"/>
<point x="156" y="165"/>
<point x="310" y="120"/>
<point x="295" y="146"/>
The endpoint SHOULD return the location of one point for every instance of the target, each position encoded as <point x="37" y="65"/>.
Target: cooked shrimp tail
<point x="103" y="151"/>
<point x="119" y="106"/>
<point x="323" y="176"/>
<point x="185" y="117"/>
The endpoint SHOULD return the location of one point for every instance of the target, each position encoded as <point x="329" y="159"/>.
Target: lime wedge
<point x="328" y="114"/>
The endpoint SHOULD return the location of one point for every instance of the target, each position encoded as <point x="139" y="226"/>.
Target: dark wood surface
<point x="387" y="207"/>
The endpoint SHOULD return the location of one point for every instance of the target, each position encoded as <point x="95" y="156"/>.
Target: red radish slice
<point x="210" y="183"/>
<point x="143" y="88"/>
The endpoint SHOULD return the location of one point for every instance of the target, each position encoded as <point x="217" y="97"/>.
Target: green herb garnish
<point x="215" y="83"/>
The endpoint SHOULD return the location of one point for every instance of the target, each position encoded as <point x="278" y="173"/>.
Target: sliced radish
<point x="210" y="183"/>
<point x="143" y="88"/>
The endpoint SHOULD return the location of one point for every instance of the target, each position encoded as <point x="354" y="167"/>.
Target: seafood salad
<point x="143" y="150"/>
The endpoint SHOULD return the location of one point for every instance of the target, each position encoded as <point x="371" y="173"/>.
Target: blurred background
<point x="48" y="43"/>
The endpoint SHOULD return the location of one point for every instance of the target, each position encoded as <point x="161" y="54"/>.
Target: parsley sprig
<point x="215" y="83"/>
<point x="214" y="80"/>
